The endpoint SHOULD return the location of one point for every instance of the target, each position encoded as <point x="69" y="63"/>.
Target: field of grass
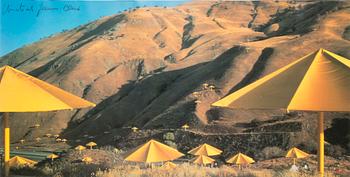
<point x="190" y="170"/>
<point x="109" y="163"/>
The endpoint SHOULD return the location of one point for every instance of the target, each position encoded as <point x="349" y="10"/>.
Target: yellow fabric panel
<point x="339" y="58"/>
<point x="18" y="161"/>
<point x="296" y="153"/>
<point x="153" y="151"/>
<point x="202" y="160"/>
<point x="205" y="149"/>
<point x="20" y="92"/>
<point x="240" y="159"/>
<point x="325" y="87"/>
<point x="317" y="82"/>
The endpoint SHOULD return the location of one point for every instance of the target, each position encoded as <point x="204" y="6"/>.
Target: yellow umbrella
<point x="80" y="148"/>
<point x="168" y="165"/>
<point x="134" y="129"/>
<point x="87" y="159"/>
<point x="52" y="156"/>
<point x="202" y="160"/>
<point x="153" y="151"/>
<point x="91" y="144"/>
<point x="58" y="140"/>
<point x="240" y="159"/>
<point x="317" y="82"/>
<point x="205" y="85"/>
<point x="48" y="135"/>
<point x="18" y="161"/>
<point x="21" y="141"/>
<point x="64" y="140"/>
<point x="37" y="139"/>
<point x="185" y="127"/>
<point x="296" y="153"/>
<point x="205" y="149"/>
<point x="56" y="136"/>
<point x="37" y="125"/>
<point x="20" y="92"/>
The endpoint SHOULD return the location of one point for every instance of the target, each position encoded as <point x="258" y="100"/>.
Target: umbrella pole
<point x="6" y="134"/>
<point x="321" y="144"/>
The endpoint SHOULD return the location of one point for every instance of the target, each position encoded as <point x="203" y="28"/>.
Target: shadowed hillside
<point x="147" y="67"/>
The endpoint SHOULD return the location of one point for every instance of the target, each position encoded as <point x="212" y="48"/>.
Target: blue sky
<point x="26" y="21"/>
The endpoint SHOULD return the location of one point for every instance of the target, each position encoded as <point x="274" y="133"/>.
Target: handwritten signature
<point x="38" y="9"/>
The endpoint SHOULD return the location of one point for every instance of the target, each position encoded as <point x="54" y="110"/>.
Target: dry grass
<point x="189" y="170"/>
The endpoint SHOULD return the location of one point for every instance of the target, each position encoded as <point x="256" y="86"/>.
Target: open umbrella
<point x="91" y="144"/>
<point x="134" y="129"/>
<point x="52" y="156"/>
<point x="21" y="141"/>
<point x="168" y="165"/>
<point x="48" y="135"/>
<point x="20" y="92"/>
<point x="18" y="161"/>
<point x="317" y="82"/>
<point x="87" y="159"/>
<point x="205" y="149"/>
<point x="80" y="148"/>
<point x="202" y="160"/>
<point x="240" y="159"/>
<point x="185" y="127"/>
<point x="296" y="153"/>
<point x="153" y="151"/>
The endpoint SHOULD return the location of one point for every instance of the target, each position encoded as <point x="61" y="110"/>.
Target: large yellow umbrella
<point x="18" y="161"/>
<point x="296" y="153"/>
<point x="202" y="160"/>
<point x="20" y="92"/>
<point x="205" y="149"/>
<point x="153" y="151"/>
<point x="317" y="82"/>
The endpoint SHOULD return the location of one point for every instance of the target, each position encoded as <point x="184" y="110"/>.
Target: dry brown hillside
<point x="147" y="67"/>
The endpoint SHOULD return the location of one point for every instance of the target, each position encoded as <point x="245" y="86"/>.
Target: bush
<point x="169" y="136"/>
<point x="271" y="152"/>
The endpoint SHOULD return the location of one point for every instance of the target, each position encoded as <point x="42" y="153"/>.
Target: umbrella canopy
<point x="20" y="92"/>
<point x="318" y="82"/>
<point x="80" y="148"/>
<point x="52" y="156"/>
<point x="87" y="159"/>
<point x="205" y="149"/>
<point x="296" y="153"/>
<point x="90" y="144"/>
<point x="18" y="161"/>
<point x="185" y="126"/>
<point x="153" y="151"/>
<point x="298" y="86"/>
<point x="168" y="165"/>
<point x="202" y="160"/>
<point x="240" y="159"/>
